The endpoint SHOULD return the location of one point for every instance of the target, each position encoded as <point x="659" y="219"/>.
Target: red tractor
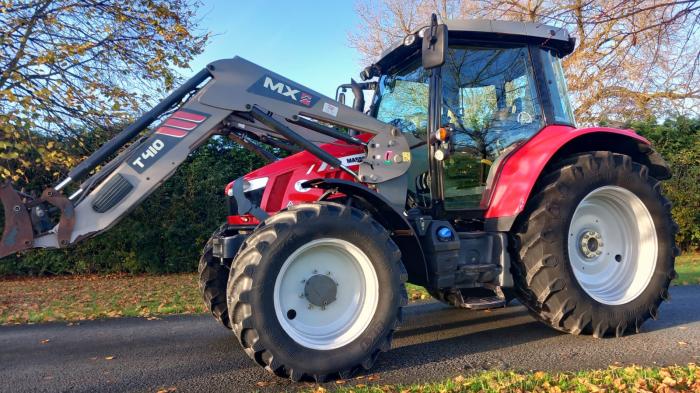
<point x="467" y="176"/>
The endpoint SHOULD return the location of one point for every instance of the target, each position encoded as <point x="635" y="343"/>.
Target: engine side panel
<point x="281" y="181"/>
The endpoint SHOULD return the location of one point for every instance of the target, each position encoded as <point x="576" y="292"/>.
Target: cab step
<point x="483" y="303"/>
<point x="478" y="302"/>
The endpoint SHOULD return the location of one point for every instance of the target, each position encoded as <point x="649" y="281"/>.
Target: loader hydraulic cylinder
<point x="287" y="132"/>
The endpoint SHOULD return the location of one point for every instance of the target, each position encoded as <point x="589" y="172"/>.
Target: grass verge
<point x="73" y="298"/>
<point x="86" y="297"/>
<point x="688" y="268"/>
<point x="613" y="379"/>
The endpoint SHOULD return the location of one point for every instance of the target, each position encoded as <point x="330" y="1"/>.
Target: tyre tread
<point x="243" y="269"/>
<point x="537" y="289"/>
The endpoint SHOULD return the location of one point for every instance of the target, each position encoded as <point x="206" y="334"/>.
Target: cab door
<point x="489" y="102"/>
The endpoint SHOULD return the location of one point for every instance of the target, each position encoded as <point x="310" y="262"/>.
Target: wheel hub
<point x="591" y="244"/>
<point x="320" y="290"/>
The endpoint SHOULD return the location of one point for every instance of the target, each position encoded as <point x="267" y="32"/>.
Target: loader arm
<point x="231" y="95"/>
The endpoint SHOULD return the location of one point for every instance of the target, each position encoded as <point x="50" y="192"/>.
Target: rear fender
<point x="521" y="169"/>
<point x="401" y="231"/>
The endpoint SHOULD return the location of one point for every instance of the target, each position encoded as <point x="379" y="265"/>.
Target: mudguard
<point x="519" y="170"/>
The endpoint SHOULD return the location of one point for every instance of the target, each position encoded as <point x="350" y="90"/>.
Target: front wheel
<point x="316" y="292"/>
<point x="595" y="246"/>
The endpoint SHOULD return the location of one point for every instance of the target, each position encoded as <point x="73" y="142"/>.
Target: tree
<point x="71" y="65"/>
<point x="187" y="208"/>
<point x="633" y="58"/>
<point x="678" y="141"/>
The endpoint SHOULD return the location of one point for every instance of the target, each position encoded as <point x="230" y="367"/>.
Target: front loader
<point x="467" y="175"/>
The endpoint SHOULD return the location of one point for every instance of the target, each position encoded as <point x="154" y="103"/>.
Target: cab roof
<point x="482" y="30"/>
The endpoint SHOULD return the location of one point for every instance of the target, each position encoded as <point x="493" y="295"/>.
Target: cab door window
<point x="490" y="102"/>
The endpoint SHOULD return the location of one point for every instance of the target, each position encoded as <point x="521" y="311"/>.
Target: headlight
<point x="409" y="40"/>
<point x="254" y="184"/>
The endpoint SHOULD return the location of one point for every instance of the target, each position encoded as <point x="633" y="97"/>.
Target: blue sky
<point x="304" y="40"/>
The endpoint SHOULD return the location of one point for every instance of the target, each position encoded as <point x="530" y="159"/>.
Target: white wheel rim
<point x="612" y="245"/>
<point x="348" y="315"/>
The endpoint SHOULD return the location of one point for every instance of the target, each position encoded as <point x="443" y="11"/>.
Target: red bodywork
<point x="519" y="171"/>
<point x="286" y="176"/>
<point x="516" y="175"/>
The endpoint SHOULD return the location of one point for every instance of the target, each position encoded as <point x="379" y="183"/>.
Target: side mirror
<point x="434" y="45"/>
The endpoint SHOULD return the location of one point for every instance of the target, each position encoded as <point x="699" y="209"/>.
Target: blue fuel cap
<point x="445" y="234"/>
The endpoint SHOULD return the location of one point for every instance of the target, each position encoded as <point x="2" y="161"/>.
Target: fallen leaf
<point x="45" y="341"/>
<point x="459" y="379"/>
<point x="340" y="381"/>
<point x="109" y="357"/>
<point x="669" y="381"/>
<point x="262" y="384"/>
<point x="682" y="343"/>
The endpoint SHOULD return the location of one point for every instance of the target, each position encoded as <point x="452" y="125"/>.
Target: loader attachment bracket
<point x="67" y="220"/>
<point x="19" y="233"/>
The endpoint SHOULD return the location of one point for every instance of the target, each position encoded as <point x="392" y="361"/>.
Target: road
<point x="192" y="353"/>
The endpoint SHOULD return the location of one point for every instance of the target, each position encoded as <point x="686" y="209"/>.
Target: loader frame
<point x="228" y="97"/>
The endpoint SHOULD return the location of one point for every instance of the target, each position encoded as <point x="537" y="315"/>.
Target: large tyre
<point x="317" y="292"/>
<point x="594" y="248"/>
<point x="213" y="276"/>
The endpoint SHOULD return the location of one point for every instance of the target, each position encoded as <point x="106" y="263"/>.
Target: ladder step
<point x="479" y="268"/>
<point x="482" y="303"/>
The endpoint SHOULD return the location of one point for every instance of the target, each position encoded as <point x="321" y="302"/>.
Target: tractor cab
<point x="467" y="100"/>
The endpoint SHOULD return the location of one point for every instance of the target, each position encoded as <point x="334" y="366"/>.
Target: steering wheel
<point x="524" y="118"/>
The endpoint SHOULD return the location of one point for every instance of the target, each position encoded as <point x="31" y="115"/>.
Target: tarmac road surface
<point x="193" y="353"/>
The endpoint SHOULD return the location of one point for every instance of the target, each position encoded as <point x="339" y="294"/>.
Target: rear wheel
<point x="316" y="292"/>
<point x="595" y="246"/>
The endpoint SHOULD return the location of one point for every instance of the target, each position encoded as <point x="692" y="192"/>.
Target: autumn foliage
<point x="633" y="59"/>
<point x="69" y="66"/>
